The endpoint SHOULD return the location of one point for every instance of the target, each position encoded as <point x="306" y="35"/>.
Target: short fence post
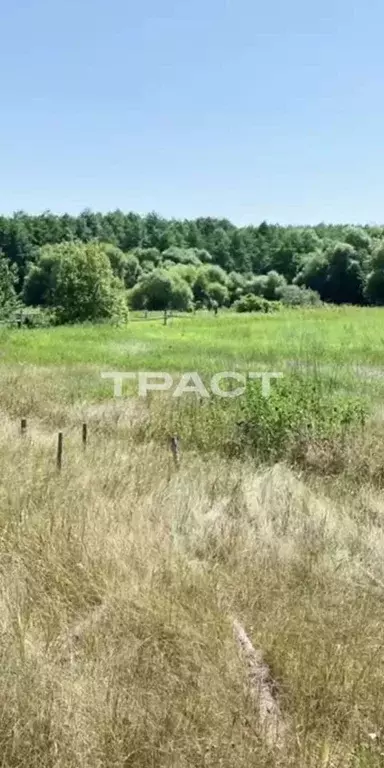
<point x="59" y="451"/>
<point x="85" y="435"/>
<point x="175" y="450"/>
<point x="165" y="317"/>
<point x="23" y="427"/>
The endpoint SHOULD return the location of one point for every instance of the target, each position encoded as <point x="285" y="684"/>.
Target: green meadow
<point x="328" y="335"/>
<point x="344" y="344"/>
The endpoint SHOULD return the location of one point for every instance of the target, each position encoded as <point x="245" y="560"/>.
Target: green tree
<point x="313" y="274"/>
<point x="181" y="255"/>
<point x="240" y="252"/>
<point x="332" y="259"/>
<point x="147" y="255"/>
<point x="194" y="238"/>
<point x="126" y="266"/>
<point x="172" y="236"/>
<point x="256" y="285"/>
<point x="359" y="238"/>
<point x="345" y="279"/>
<point x="273" y="284"/>
<point x="207" y="275"/>
<point x="161" y="289"/>
<point x="220" y="247"/>
<point x="132" y="271"/>
<point x="288" y="254"/>
<point x="8" y="280"/>
<point x="154" y="227"/>
<point x="117" y="259"/>
<point x="217" y="294"/>
<point x="18" y="246"/>
<point x="203" y="255"/>
<point x="77" y="281"/>
<point x="293" y="295"/>
<point x="236" y="285"/>
<point x="187" y="272"/>
<point x="374" y="291"/>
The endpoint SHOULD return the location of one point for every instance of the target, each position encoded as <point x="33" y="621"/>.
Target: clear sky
<point x="244" y="109"/>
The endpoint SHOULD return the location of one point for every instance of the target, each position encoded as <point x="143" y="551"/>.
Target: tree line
<point x="95" y="266"/>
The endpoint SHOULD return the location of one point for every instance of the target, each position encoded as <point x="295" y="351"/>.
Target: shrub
<point x="293" y="295"/>
<point x="301" y="411"/>
<point x="38" y="317"/>
<point x="298" y="410"/>
<point x="252" y="303"/>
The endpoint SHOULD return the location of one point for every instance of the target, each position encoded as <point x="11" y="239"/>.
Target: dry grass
<point x="119" y="579"/>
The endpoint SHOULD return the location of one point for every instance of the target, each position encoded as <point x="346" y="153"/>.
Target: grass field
<point x="121" y="576"/>
<point x="334" y="335"/>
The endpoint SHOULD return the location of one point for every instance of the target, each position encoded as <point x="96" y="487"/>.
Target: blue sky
<point x="237" y="108"/>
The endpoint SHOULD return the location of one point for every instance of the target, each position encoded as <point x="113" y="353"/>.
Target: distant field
<point x="335" y="335"/>
<point x="120" y="577"/>
<point x="326" y="339"/>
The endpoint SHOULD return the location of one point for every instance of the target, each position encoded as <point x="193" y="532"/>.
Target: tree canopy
<point x="85" y="267"/>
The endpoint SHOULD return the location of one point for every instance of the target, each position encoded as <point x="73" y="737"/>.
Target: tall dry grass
<point x="119" y="582"/>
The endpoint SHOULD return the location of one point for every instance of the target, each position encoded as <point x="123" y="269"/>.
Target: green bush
<point x="294" y="296"/>
<point x="252" y="303"/>
<point x="37" y="317"/>
<point x="299" y="410"/>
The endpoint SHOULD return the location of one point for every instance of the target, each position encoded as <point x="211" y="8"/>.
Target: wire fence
<point x="27" y="320"/>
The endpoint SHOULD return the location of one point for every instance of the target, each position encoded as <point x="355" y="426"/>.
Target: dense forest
<point x="94" y="266"/>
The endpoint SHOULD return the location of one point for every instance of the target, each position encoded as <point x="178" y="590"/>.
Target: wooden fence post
<point x="59" y="451"/>
<point x="175" y="448"/>
<point x="85" y="435"/>
<point x="165" y="317"/>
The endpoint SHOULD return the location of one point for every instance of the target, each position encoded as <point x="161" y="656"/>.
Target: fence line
<point x="158" y="317"/>
<point x="174" y="444"/>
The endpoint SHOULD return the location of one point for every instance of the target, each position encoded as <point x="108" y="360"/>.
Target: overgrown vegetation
<point x="301" y="411"/>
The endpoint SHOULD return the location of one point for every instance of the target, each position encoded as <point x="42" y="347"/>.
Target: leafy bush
<point x="252" y="303"/>
<point x="301" y="411"/>
<point x="37" y="317"/>
<point x="298" y="410"/>
<point x="293" y="295"/>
